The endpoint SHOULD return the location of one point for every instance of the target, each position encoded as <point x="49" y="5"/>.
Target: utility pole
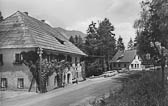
<point x="40" y="51"/>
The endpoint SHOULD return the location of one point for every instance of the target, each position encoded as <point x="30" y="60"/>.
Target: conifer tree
<point x="130" y="44"/>
<point x="1" y="17"/>
<point x="71" y="39"/>
<point x="120" y="44"/>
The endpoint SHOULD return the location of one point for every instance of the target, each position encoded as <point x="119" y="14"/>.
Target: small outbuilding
<point x="127" y="59"/>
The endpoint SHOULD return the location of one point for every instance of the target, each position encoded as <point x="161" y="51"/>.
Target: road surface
<point x="68" y="96"/>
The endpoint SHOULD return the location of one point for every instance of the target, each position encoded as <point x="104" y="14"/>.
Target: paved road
<point x="73" y="94"/>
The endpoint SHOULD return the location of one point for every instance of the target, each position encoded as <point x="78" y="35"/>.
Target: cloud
<point x="123" y="10"/>
<point x="78" y="14"/>
<point x="126" y="31"/>
<point x="83" y="25"/>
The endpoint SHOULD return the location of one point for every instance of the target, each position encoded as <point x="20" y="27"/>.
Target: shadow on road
<point x="128" y="76"/>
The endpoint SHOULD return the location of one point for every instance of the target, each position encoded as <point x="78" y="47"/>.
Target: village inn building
<point x="21" y="32"/>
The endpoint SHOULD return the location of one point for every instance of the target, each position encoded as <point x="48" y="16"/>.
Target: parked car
<point x="110" y="73"/>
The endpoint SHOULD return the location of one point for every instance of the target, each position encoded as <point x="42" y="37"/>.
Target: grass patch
<point x="139" y="89"/>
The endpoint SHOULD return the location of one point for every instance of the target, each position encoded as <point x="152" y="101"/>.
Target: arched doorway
<point x="69" y="77"/>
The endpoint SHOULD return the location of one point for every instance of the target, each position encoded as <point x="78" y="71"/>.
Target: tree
<point x="100" y="43"/>
<point x="1" y="17"/>
<point x="120" y="44"/>
<point x="92" y="43"/>
<point x="130" y="44"/>
<point x="106" y="35"/>
<point x="72" y="40"/>
<point x="77" y="41"/>
<point x="152" y="31"/>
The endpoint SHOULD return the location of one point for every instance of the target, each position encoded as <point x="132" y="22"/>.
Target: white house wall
<point x="136" y="64"/>
<point x="12" y="71"/>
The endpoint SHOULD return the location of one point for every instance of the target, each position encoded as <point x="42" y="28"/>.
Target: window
<point x="47" y="82"/>
<point x="114" y="64"/>
<point x="132" y="65"/>
<point x="4" y="83"/>
<point x="69" y="58"/>
<point x="61" y="57"/>
<point x="119" y="65"/>
<point x="55" y="80"/>
<point x="18" y="58"/>
<point x="119" y="58"/>
<point x="125" y="65"/>
<point x="1" y="59"/>
<point x="77" y="75"/>
<point x="137" y="65"/>
<point x="48" y="57"/>
<point x="76" y="60"/>
<point x="60" y="41"/>
<point x="20" y="83"/>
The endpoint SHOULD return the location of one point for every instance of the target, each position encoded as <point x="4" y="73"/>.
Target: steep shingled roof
<point x="124" y="56"/>
<point x="23" y="31"/>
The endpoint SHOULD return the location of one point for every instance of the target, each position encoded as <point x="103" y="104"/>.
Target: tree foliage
<point x="152" y="30"/>
<point x="100" y="45"/>
<point x="77" y="41"/>
<point x="1" y="17"/>
<point x="130" y="44"/>
<point x="120" y="44"/>
<point x="72" y="40"/>
<point x="151" y="27"/>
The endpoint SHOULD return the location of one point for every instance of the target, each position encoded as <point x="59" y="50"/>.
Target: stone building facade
<point x="21" y="32"/>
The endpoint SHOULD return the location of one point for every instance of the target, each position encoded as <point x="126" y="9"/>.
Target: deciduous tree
<point x="152" y="31"/>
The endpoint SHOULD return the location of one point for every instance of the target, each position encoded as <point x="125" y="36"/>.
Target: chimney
<point x="26" y="13"/>
<point x="43" y="21"/>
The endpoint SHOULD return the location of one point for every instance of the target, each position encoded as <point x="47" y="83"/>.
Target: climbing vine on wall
<point x="42" y="72"/>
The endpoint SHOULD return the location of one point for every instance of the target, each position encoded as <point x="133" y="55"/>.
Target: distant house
<point x="21" y="32"/>
<point x="127" y="59"/>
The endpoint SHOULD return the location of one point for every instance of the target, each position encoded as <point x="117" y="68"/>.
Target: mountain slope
<point x="69" y="33"/>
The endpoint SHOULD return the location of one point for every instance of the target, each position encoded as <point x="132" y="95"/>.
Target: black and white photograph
<point x="83" y="52"/>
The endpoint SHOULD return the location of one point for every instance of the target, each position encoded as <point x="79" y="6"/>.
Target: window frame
<point x="76" y="61"/>
<point x="119" y="65"/>
<point x="18" y="59"/>
<point x="20" y="83"/>
<point x="69" y="58"/>
<point x="114" y="64"/>
<point x="132" y="65"/>
<point x="5" y="83"/>
<point x="137" y="65"/>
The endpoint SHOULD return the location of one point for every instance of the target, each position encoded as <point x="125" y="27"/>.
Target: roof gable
<point x="22" y="31"/>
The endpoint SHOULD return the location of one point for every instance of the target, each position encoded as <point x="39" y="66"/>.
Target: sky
<point x="78" y="14"/>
